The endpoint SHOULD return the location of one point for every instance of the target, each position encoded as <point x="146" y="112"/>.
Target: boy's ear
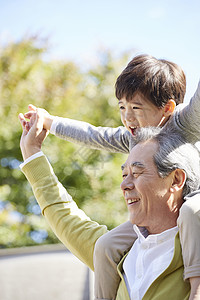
<point x="169" y="107"/>
<point x="178" y="180"/>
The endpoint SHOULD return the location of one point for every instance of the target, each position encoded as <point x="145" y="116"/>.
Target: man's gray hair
<point x="173" y="153"/>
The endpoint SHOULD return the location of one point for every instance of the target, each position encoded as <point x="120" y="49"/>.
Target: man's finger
<point x="27" y="127"/>
<point x="22" y="120"/>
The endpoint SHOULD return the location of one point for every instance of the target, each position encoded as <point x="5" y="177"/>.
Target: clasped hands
<point x="33" y="133"/>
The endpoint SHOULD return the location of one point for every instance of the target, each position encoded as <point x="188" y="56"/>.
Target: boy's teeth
<point x="132" y="201"/>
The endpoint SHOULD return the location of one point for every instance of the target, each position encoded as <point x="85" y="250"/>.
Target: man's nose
<point x="127" y="183"/>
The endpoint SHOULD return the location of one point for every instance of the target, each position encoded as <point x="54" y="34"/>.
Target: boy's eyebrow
<point x="137" y="103"/>
<point x="134" y="103"/>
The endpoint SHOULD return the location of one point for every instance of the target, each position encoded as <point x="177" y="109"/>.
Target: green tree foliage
<point x="64" y="89"/>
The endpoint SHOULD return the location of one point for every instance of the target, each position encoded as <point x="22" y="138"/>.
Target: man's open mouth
<point x="130" y="201"/>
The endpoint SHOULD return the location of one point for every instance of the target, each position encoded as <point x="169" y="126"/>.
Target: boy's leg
<point x="189" y="229"/>
<point x="109" y="250"/>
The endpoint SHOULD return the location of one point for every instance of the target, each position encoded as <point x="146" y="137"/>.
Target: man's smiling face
<point x="146" y="193"/>
<point x="139" y="112"/>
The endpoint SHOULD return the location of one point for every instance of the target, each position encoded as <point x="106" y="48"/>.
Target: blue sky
<point x="78" y="28"/>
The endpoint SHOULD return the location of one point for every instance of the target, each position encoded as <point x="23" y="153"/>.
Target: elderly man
<point x="156" y="176"/>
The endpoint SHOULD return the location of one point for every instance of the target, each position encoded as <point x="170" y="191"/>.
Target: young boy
<point x="148" y="91"/>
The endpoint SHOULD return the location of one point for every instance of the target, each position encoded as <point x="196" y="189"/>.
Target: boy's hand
<point x="31" y="141"/>
<point x="47" y="118"/>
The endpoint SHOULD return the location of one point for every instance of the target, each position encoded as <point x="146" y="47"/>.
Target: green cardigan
<point x="79" y="233"/>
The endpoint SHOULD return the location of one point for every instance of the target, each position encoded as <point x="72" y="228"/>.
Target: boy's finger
<point x="29" y="114"/>
<point x="38" y="124"/>
<point x="32" y="107"/>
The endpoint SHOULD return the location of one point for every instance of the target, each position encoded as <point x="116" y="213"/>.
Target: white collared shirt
<point x="147" y="259"/>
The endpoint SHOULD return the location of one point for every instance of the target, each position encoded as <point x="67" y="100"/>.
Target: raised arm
<point x="188" y="118"/>
<point x="101" y="138"/>
<point x="70" y="224"/>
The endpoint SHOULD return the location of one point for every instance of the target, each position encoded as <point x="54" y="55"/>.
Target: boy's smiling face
<point x="140" y="112"/>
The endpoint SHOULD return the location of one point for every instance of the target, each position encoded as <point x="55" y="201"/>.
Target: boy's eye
<point x="124" y="175"/>
<point x="135" y="107"/>
<point x="121" y="107"/>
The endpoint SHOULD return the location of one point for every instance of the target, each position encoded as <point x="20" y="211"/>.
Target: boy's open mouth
<point x="133" y="130"/>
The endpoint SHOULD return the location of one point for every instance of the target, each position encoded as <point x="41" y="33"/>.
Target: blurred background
<point x="65" y="56"/>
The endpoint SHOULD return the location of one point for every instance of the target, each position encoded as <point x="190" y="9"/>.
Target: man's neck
<point x="161" y="227"/>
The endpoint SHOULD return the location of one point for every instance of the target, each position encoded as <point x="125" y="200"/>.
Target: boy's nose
<point x="129" y="115"/>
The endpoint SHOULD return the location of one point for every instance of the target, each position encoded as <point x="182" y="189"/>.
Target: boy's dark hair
<point x="157" y="79"/>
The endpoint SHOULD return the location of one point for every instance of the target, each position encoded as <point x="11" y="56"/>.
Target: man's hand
<point x="31" y="140"/>
<point x="47" y="118"/>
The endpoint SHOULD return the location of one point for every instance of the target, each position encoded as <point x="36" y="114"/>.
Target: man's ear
<point x="169" y="108"/>
<point x="178" y="180"/>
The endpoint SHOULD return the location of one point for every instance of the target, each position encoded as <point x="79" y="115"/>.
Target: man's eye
<point x="135" y="107"/>
<point x="135" y="174"/>
<point x="121" y="107"/>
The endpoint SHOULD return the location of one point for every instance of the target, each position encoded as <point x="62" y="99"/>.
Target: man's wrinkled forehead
<point x="140" y="153"/>
<point x="135" y="157"/>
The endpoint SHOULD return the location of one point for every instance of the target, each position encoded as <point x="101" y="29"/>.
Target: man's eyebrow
<point x="137" y="164"/>
<point x="123" y="166"/>
<point x="134" y="164"/>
